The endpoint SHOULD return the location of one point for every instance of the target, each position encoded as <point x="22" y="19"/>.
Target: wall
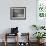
<point x="24" y="25"/>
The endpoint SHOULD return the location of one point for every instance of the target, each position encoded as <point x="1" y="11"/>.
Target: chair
<point x="26" y="41"/>
<point x="7" y="35"/>
<point x="14" y="32"/>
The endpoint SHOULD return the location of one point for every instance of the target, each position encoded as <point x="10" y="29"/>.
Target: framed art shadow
<point x="18" y="13"/>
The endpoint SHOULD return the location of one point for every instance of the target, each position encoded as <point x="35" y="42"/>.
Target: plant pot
<point x="40" y="41"/>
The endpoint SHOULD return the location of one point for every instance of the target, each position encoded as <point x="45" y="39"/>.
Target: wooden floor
<point x="13" y="44"/>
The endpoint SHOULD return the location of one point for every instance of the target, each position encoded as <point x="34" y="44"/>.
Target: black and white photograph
<point x="18" y="13"/>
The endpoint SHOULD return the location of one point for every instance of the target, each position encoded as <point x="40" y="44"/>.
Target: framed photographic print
<point x="18" y="13"/>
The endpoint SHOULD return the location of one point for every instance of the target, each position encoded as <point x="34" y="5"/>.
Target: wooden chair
<point x="8" y="34"/>
<point x="25" y="36"/>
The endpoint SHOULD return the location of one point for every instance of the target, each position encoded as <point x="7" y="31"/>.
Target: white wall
<point x="24" y="25"/>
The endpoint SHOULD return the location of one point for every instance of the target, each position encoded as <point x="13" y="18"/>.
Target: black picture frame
<point x="18" y="13"/>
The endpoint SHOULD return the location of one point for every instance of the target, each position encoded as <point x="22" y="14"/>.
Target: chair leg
<point x="5" y="39"/>
<point x="5" y="43"/>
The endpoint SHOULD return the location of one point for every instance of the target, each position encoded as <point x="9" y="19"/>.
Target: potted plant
<point x="39" y="35"/>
